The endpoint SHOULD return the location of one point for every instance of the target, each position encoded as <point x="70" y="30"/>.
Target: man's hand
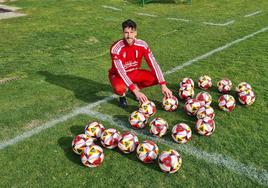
<point x="166" y="92"/>
<point x="140" y="96"/>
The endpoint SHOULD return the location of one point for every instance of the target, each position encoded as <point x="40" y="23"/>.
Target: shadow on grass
<point x="84" y="89"/>
<point x="66" y="145"/>
<point x="133" y="157"/>
<point x="77" y="129"/>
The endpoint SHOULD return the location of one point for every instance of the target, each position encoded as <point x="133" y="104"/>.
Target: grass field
<point x="61" y="49"/>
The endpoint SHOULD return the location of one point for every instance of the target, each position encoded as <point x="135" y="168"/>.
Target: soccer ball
<point x="137" y="120"/>
<point x="94" y="130"/>
<point x="242" y="87"/>
<point x="109" y="138"/>
<point x="148" y="108"/>
<point x="147" y="151"/>
<point x="128" y="142"/>
<point x="92" y="156"/>
<point x="191" y="107"/>
<point x="187" y="81"/>
<point x="170" y="104"/>
<point x="170" y="161"/>
<point x="224" y="86"/>
<point x="205" y="126"/>
<point x="158" y="127"/>
<point x="80" y="142"/>
<point x="204" y="98"/>
<point x="204" y="82"/>
<point x="246" y="97"/>
<point x="205" y="111"/>
<point x="181" y="133"/>
<point x="186" y="91"/>
<point x="226" y="102"/>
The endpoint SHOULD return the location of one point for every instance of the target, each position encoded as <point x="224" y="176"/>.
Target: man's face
<point x="129" y="34"/>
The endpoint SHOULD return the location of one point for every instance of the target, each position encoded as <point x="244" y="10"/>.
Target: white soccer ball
<point x="170" y="161"/>
<point x="170" y="104"/>
<point x="204" y="98"/>
<point x="148" y="108"/>
<point x="80" y="142"/>
<point x="192" y="106"/>
<point x="204" y="82"/>
<point x="242" y="87"/>
<point x="227" y="103"/>
<point x="224" y="86"/>
<point x="205" y="126"/>
<point x="246" y="97"/>
<point x="109" y="138"/>
<point x="181" y="133"/>
<point x="147" y="151"/>
<point x="158" y="127"/>
<point x="94" y="129"/>
<point x="92" y="156"/>
<point x="186" y="92"/>
<point x="205" y="111"/>
<point x="187" y="81"/>
<point x="137" y="120"/>
<point x="128" y="142"/>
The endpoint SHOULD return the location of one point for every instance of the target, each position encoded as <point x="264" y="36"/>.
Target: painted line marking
<point x="167" y="33"/>
<point x="145" y="14"/>
<point x="215" y="51"/>
<point x="8" y="15"/>
<point x="9" y="7"/>
<point x="112" y="8"/>
<point x="53" y="122"/>
<point x="219" y="24"/>
<point x="259" y="175"/>
<point x="178" y="19"/>
<point x="253" y="14"/>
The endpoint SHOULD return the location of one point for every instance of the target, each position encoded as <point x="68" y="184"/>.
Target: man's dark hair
<point x="129" y="23"/>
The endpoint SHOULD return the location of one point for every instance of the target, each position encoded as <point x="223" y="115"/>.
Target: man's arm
<point x="154" y="66"/>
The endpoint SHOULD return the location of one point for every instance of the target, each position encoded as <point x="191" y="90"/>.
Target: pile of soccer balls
<point x="198" y="107"/>
<point x="92" y="155"/>
<point x="170" y="161"/>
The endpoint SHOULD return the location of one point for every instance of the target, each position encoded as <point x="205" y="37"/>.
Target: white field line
<point x="253" y="14"/>
<point x="9" y="7"/>
<point x="178" y="19"/>
<point x="145" y="14"/>
<point x="259" y="175"/>
<point x="8" y="15"/>
<point x="215" y="51"/>
<point x="112" y="8"/>
<point x="54" y="122"/>
<point x="167" y="33"/>
<point x="219" y="24"/>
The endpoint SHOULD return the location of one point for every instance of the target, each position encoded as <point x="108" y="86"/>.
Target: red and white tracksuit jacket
<point x="126" y="63"/>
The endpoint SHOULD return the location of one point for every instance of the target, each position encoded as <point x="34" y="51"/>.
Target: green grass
<point x="62" y="71"/>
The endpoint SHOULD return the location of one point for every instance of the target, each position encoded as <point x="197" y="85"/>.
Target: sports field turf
<point x="60" y="51"/>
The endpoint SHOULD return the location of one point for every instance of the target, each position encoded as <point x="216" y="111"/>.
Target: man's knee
<point x="120" y="89"/>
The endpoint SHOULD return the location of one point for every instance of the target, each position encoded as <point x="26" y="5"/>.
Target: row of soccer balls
<point x="244" y="91"/>
<point x="205" y="82"/>
<point x="181" y="132"/>
<point x="92" y="155"/>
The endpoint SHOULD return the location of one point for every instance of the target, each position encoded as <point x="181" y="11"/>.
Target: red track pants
<point x="142" y="78"/>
